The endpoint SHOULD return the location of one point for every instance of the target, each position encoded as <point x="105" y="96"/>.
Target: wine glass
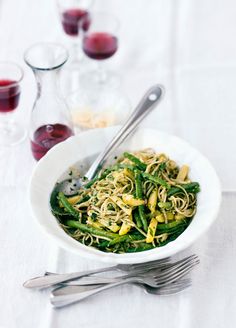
<point x="100" y="42"/>
<point x="71" y="13"/>
<point x="109" y="106"/>
<point x="10" y="77"/>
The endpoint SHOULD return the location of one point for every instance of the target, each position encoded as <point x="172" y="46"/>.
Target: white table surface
<point x="189" y="47"/>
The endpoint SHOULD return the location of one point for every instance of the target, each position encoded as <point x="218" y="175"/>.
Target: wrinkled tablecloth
<point x="189" y="47"/>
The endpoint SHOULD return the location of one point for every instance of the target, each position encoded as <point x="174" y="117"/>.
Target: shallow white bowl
<point x="57" y="161"/>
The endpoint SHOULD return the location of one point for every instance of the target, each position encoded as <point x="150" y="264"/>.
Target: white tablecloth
<point x="189" y="47"/>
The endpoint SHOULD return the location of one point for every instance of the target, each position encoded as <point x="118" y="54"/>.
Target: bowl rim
<point x="68" y="243"/>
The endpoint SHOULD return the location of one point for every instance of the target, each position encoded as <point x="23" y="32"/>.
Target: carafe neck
<point x="48" y="82"/>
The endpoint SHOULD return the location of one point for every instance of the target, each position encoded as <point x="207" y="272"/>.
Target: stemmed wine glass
<point x="100" y="42"/>
<point x="99" y="100"/>
<point x="71" y="13"/>
<point x="10" y="77"/>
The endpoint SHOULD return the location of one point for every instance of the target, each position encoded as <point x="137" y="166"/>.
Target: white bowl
<point x="57" y="161"/>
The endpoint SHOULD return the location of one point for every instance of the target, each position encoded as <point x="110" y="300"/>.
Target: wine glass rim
<point x="37" y="67"/>
<point x="105" y="13"/>
<point x="60" y="6"/>
<point x="15" y="65"/>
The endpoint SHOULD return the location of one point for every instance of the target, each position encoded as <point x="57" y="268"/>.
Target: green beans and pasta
<point x="141" y="202"/>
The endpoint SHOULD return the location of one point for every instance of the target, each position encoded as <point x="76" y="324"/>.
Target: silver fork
<point x="160" y="271"/>
<point x="170" y="289"/>
<point x="49" y="280"/>
<point x="137" y="268"/>
<point x="153" y="278"/>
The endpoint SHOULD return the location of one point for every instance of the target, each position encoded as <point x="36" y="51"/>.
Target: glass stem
<point x="76" y="53"/>
<point x="6" y="123"/>
<point x="101" y="73"/>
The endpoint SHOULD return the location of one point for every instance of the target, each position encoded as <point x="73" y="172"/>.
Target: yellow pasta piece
<point x="125" y="228"/>
<point x="170" y="216"/>
<point x="74" y="199"/>
<point x="60" y="204"/>
<point x="128" y="173"/>
<point x="131" y="201"/>
<point x="183" y="173"/>
<point x="152" y="201"/>
<point x="160" y="218"/>
<point x="94" y="224"/>
<point x="151" y="230"/>
<point x="179" y="216"/>
<point x="121" y="204"/>
<point x="110" y="225"/>
<point x="116" y="174"/>
<point x="162" y="157"/>
<point x="171" y="164"/>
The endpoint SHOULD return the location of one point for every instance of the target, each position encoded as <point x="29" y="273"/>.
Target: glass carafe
<point x="50" y="118"/>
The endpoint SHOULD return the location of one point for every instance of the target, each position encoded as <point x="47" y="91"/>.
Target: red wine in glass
<point x="71" y="19"/>
<point x="100" y="45"/>
<point x="9" y="95"/>
<point x="47" y="136"/>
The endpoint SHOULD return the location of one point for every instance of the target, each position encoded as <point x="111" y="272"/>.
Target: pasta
<point x="141" y="202"/>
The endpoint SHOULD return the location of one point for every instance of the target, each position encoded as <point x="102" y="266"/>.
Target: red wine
<point x="47" y="136"/>
<point x="100" y="45"/>
<point x="71" y="19"/>
<point x="9" y="95"/>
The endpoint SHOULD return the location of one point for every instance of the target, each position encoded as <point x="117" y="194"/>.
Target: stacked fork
<point x="158" y="277"/>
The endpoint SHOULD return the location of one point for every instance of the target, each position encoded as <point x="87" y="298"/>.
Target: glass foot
<point x="12" y="135"/>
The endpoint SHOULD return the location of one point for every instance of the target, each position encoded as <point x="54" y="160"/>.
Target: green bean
<point x="83" y="199"/>
<point x="155" y="179"/>
<point x="91" y="182"/>
<point x="122" y="166"/>
<point x="161" y="167"/>
<point x="56" y="209"/>
<point x="142" y="215"/>
<point x="165" y="205"/>
<point x="137" y="219"/>
<point x="140" y="248"/>
<point x="142" y="166"/>
<point x="126" y="238"/>
<point x="173" y="190"/>
<point x="103" y="244"/>
<point x="118" y="240"/>
<point x="192" y="187"/>
<point x="166" y="226"/>
<point x="89" y="229"/>
<point x="139" y="194"/>
<point x="97" y="177"/>
<point x="172" y="235"/>
<point x="69" y="208"/>
<point x="138" y="185"/>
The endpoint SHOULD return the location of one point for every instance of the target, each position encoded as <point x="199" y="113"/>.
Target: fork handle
<point x="58" y="299"/>
<point x="146" y="104"/>
<point x="50" y="280"/>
